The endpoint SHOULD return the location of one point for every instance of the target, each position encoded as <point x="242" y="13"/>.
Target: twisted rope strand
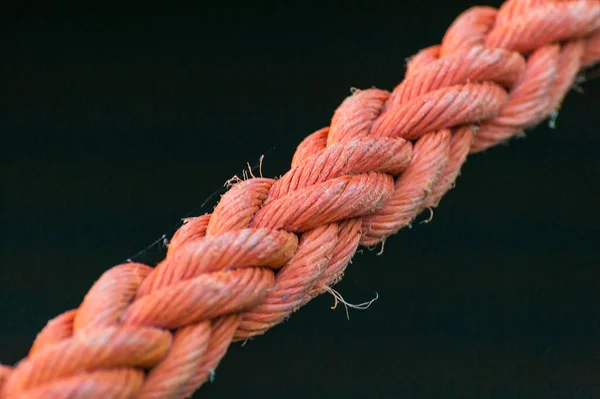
<point x="272" y="245"/>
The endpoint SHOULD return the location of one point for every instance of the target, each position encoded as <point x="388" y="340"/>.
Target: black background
<point x="117" y="122"/>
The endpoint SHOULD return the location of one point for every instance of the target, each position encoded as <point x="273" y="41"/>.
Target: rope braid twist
<point x="272" y="245"/>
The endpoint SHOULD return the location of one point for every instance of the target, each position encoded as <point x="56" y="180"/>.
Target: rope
<point x="272" y="245"/>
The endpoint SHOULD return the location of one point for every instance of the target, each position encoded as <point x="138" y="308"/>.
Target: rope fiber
<point x="271" y="245"/>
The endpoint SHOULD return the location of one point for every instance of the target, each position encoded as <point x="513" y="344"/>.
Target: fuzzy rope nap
<point x="272" y="245"/>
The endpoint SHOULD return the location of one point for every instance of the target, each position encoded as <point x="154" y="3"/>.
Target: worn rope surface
<point x="272" y="245"/>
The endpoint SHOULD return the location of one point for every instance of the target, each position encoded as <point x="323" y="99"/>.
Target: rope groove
<point x="272" y="245"/>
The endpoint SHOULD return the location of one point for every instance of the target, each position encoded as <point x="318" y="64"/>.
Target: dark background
<point x="116" y="123"/>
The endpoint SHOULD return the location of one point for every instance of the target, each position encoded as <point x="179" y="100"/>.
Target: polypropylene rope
<point x="272" y="245"/>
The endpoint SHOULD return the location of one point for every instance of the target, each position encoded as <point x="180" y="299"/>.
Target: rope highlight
<point x="270" y="246"/>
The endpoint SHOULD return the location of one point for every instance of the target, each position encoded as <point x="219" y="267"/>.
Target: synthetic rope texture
<point x="272" y="245"/>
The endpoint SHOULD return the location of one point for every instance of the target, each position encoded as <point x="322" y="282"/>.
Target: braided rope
<point x="272" y="245"/>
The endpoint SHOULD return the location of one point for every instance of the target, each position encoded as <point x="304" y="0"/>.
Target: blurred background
<point x="118" y="122"/>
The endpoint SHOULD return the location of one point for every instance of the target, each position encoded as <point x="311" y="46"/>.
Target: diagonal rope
<point x="272" y="245"/>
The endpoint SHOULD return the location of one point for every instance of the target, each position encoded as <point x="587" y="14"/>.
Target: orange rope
<point x="272" y="245"/>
